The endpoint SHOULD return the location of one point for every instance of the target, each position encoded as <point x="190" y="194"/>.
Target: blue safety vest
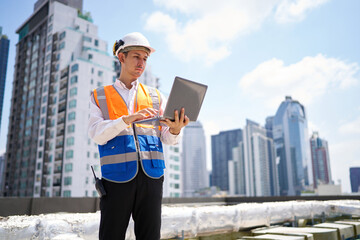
<point x="137" y="144"/>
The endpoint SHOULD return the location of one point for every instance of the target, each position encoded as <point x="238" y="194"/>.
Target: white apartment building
<point x="60" y="60"/>
<point x="172" y="177"/>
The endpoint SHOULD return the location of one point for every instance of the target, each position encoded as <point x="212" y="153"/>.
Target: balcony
<point x="59" y="157"/>
<point x="59" y="144"/>
<point x="52" y="90"/>
<point x="62" y="98"/>
<point x="62" y="108"/>
<point x="57" y="169"/>
<point x="63" y="85"/>
<point x="52" y="80"/>
<point x="60" y="132"/>
<point x="57" y="182"/>
<point x="55" y="37"/>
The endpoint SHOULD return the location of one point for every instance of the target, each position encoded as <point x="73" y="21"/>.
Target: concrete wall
<point x="34" y="206"/>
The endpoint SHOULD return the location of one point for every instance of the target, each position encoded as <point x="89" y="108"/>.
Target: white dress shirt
<point x="101" y="131"/>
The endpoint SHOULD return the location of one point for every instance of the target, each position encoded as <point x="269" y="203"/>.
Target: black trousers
<point x="141" y="198"/>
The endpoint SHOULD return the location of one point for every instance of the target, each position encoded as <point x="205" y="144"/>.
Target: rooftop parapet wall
<point x="191" y="221"/>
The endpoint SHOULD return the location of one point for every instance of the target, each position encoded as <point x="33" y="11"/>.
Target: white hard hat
<point x="132" y="41"/>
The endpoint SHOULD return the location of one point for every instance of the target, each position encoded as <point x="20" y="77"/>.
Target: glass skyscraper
<point x="290" y="133"/>
<point x="222" y="151"/>
<point x="355" y="179"/>
<point x="4" y="52"/>
<point x="320" y="160"/>
<point x="194" y="173"/>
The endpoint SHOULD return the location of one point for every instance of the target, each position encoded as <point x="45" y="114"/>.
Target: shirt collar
<point x="121" y="85"/>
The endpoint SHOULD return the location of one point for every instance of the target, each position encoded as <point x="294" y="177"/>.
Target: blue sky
<point x="251" y="54"/>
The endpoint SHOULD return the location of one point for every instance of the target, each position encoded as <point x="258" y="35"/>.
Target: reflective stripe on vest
<point x="119" y="156"/>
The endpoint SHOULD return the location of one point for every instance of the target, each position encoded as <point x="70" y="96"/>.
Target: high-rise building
<point x="221" y="153"/>
<point x="60" y="59"/>
<point x="2" y="166"/>
<point x="172" y="186"/>
<point x="355" y="179"/>
<point x="194" y="173"/>
<point x="4" y="53"/>
<point x="320" y="160"/>
<point x="291" y="140"/>
<point x="236" y="169"/>
<point x="260" y="167"/>
<point x="269" y="126"/>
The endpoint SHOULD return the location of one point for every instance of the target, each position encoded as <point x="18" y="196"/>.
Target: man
<point x="131" y="155"/>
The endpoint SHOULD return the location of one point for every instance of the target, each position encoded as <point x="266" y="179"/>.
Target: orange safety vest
<point x="136" y="144"/>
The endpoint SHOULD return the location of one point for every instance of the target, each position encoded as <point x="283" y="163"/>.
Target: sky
<point x="251" y="54"/>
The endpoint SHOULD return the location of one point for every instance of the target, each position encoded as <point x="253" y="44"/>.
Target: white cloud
<point x="344" y="155"/>
<point x="290" y="11"/>
<point x="211" y="27"/>
<point x="351" y="127"/>
<point x="270" y="81"/>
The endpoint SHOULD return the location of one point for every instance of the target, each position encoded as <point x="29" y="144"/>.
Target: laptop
<point x="184" y="94"/>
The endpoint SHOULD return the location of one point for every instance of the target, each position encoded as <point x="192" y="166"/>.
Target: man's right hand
<point x="140" y="115"/>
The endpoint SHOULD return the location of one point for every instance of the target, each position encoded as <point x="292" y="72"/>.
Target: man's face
<point x="134" y="62"/>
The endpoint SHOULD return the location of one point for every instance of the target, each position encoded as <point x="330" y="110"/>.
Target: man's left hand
<point x="179" y="122"/>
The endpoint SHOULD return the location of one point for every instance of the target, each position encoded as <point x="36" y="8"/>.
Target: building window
<point x="71" y="116"/>
<point x="40" y="154"/>
<point x="74" y="68"/>
<point x="67" y="193"/>
<point x="67" y="181"/>
<point x="68" y="167"/>
<point x="62" y="45"/>
<point x="71" y="128"/>
<point x="96" y="155"/>
<point x="69" y="154"/>
<point x="73" y="79"/>
<point x="62" y="35"/>
<point x="70" y="141"/>
<point x="73" y="92"/>
<point x="96" y="42"/>
<point x="50" y="28"/>
<point x="87" y="39"/>
<point x="72" y="103"/>
<point x="100" y="73"/>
